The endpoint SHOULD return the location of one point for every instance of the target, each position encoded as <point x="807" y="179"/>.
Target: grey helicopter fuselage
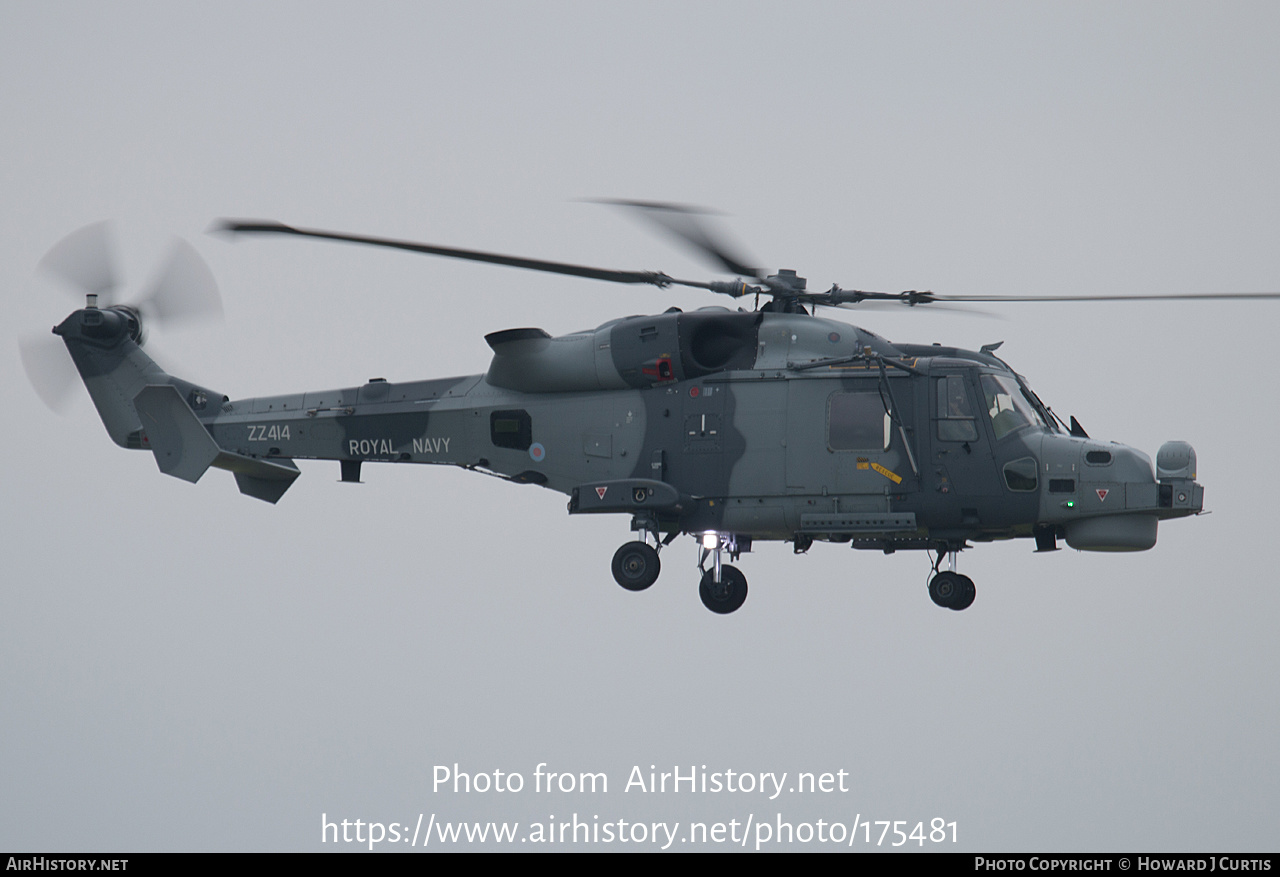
<point x="747" y="425"/>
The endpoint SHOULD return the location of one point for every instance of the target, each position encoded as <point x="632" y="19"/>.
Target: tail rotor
<point x="182" y="291"/>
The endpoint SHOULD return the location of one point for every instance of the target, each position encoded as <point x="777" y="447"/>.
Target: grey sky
<point x="185" y="668"/>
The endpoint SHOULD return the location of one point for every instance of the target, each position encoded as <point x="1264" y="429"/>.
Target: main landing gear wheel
<point x="952" y="591"/>
<point x="726" y="595"/>
<point x="636" y="566"/>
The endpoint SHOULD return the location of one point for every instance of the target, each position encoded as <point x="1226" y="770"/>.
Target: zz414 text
<point x="269" y="433"/>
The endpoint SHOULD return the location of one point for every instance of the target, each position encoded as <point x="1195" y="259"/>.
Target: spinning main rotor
<point x="786" y="289"/>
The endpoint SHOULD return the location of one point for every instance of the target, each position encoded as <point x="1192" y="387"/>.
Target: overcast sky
<point x="185" y="668"/>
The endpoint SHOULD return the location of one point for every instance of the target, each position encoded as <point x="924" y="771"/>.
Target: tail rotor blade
<point x="84" y="260"/>
<point x="50" y="370"/>
<point x="184" y="289"/>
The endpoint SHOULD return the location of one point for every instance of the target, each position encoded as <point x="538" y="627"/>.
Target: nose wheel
<point x="952" y="591"/>
<point x="948" y="588"/>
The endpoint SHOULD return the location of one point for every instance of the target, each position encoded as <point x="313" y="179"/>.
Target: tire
<point x="945" y="589"/>
<point x="728" y="595"/>
<point x="636" y="566"/>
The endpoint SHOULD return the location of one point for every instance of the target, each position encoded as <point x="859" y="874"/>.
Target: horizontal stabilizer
<point x="184" y="448"/>
<point x="261" y="479"/>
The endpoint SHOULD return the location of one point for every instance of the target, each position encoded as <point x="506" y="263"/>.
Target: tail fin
<point x="144" y="407"/>
<point x="103" y="346"/>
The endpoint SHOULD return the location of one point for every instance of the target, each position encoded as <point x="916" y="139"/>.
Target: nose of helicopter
<point x="1107" y="496"/>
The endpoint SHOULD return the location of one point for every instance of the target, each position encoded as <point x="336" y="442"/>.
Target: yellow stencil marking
<point x="895" y="478"/>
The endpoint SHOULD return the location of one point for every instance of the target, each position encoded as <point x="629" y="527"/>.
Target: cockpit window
<point x="1046" y="415"/>
<point x="955" y="413"/>
<point x="1008" y="408"/>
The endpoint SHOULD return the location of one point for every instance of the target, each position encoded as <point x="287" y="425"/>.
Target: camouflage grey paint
<point x="714" y="420"/>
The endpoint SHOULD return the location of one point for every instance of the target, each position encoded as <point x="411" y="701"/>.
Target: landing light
<point x="710" y="541"/>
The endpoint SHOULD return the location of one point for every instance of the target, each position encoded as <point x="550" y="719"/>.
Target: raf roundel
<point x="537" y="452"/>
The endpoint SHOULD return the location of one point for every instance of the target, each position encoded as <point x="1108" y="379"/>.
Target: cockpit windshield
<point x="1047" y="415"/>
<point x="1008" y="408"/>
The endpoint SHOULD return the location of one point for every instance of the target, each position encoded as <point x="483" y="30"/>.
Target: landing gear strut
<point x="948" y="588"/>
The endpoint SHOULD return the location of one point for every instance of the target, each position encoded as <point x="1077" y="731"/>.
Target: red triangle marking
<point x="600" y="491"/>
<point x="1102" y="493"/>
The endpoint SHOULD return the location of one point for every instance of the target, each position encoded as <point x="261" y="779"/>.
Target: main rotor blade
<point x="682" y="223"/>
<point x="877" y="305"/>
<point x="84" y="260"/>
<point x="1188" y="296"/>
<point x="655" y="278"/>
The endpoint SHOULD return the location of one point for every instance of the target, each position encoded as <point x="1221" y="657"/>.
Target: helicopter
<point x="767" y="423"/>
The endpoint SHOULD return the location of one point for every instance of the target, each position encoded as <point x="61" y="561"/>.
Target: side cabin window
<point x="857" y="422"/>
<point x="1021" y="475"/>
<point x="955" y="410"/>
<point x="511" y="429"/>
